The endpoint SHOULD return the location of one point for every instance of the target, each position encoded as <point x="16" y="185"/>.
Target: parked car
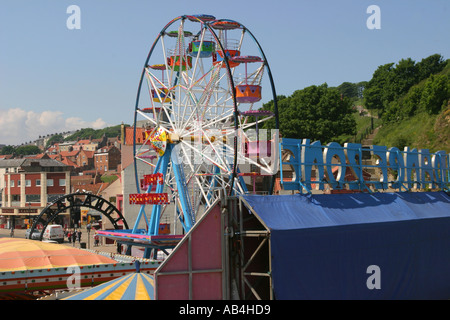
<point x="35" y="236"/>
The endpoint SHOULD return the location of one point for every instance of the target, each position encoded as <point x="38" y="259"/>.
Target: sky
<point x="55" y="79"/>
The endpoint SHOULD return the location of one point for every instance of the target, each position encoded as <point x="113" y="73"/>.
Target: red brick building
<point x="85" y="159"/>
<point x="106" y="159"/>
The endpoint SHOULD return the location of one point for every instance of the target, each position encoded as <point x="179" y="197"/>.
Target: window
<point x="15" y="200"/>
<point x="50" y="182"/>
<point x="12" y="183"/>
<point x="27" y="183"/>
<point x="53" y="197"/>
<point x="33" y="198"/>
<point x="38" y="182"/>
<point x="18" y="183"/>
<point x="62" y="182"/>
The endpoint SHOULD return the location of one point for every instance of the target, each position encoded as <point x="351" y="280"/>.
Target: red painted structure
<point x="195" y="270"/>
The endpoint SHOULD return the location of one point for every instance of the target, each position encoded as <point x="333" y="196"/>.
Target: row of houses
<point x="29" y="184"/>
<point x="101" y="155"/>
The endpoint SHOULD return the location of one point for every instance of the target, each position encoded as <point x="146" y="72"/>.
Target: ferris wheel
<point x="197" y="121"/>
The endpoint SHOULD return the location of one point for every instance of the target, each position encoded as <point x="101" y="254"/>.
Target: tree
<point x="361" y="87"/>
<point x="348" y="89"/>
<point x="435" y="94"/>
<point x="430" y="65"/>
<point x="8" y="150"/>
<point x="375" y="93"/>
<point x="29" y="149"/>
<point x="88" y="133"/>
<point x="316" y="113"/>
<point x="405" y="75"/>
<point x="54" y="139"/>
<point x="390" y="82"/>
<point x="351" y="90"/>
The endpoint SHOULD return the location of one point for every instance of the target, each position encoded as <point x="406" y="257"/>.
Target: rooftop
<point x="8" y="163"/>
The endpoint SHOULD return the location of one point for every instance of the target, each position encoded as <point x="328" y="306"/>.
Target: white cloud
<point x="80" y="123"/>
<point x="18" y="126"/>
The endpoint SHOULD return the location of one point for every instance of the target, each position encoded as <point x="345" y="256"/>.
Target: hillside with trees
<point x="412" y="100"/>
<point x="89" y="133"/>
<point x="408" y="101"/>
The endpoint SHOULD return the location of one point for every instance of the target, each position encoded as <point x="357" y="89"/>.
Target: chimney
<point x="122" y="133"/>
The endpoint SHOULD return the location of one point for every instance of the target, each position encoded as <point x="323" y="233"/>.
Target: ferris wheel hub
<point x="159" y="139"/>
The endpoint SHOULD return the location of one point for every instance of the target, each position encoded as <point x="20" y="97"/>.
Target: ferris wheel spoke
<point x="186" y="205"/>
<point x="154" y="88"/>
<point x="204" y="193"/>
<point x="202" y="77"/>
<point x="194" y="170"/>
<point x="246" y="125"/>
<point x="206" y="121"/>
<point x="152" y="77"/>
<point x="168" y="70"/>
<point x="244" y="159"/>
<point x="208" y="90"/>
<point x="227" y="159"/>
<point x="217" y="155"/>
<point x="181" y="101"/>
<point x="211" y="124"/>
<point x="213" y="161"/>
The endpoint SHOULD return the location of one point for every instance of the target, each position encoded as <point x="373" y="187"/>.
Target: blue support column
<point x="213" y="183"/>
<point x="142" y="209"/>
<point x="186" y="206"/>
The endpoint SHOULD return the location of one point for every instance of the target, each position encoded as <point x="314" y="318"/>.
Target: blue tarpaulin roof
<point x="326" y="246"/>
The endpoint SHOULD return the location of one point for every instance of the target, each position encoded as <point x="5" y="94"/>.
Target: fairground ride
<point x="197" y="124"/>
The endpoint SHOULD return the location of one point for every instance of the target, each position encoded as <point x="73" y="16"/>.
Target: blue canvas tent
<point x="357" y="246"/>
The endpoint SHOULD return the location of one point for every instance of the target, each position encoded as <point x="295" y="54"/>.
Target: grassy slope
<point x="422" y="131"/>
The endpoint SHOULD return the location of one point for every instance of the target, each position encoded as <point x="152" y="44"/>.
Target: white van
<point x="54" y="232"/>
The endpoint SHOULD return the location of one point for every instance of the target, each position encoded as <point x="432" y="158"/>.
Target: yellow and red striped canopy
<point x="134" y="286"/>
